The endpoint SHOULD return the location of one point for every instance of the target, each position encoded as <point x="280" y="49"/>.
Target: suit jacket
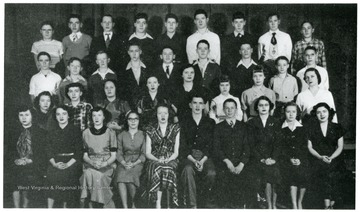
<point x="167" y="84"/>
<point x="133" y="91"/>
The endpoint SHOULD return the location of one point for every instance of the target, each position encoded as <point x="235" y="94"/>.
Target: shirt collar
<point x="312" y="40"/>
<point x="107" y="71"/>
<point x="262" y="88"/>
<point x="277" y="75"/>
<point x="277" y="31"/>
<point x="236" y="33"/>
<point x="206" y="31"/>
<point x="78" y="35"/>
<point x="229" y="120"/>
<point x="105" y="34"/>
<point x="171" y="66"/>
<point x="134" y="35"/>
<point x="130" y="66"/>
<point x="241" y="63"/>
<point x="208" y="61"/>
<point x="297" y="124"/>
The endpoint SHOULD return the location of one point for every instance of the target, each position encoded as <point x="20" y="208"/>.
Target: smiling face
<point x="197" y="105"/>
<point x="188" y="74"/>
<point x="201" y="21"/>
<point x="162" y="115"/>
<point x="152" y="84"/>
<point x="140" y="25"/>
<point x="311" y="79"/>
<point x="98" y="117"/>
<point x="274" y="23"/>
<point x="44" y="62"/>
<point x="107" y="24"/>
<point x="47" y="32"/>
<point x="230" y="110"/>
<point x="110" y="89"/>
<point x="62" y="116"/>
<point x="203" y="50"/>
<point x="263" y="107"/>
<point x="322" y="114"/>
<point x="133" y="121"/>
<point x="75" y="25"/>
<point x="239" y="24"/>
<point x="171" y="25"/>
<point x="25" y="118"/>
<point x="290" y="113"/>
<point x="44" y="103"/>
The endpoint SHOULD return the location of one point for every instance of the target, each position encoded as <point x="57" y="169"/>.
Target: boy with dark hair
<point x="146" y="42"/>
<point x="231" y="43"/>
<point x="298" y="61"/>
<point x="77" y="44"/>
<point x="203" y="33"/>
<point x="112" y="43"/>
<point x="173" y="39"/>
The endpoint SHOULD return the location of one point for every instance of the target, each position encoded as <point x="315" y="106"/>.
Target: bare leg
<point x="123" y="194"/>
<point x="25" y="199"/>
<point x="293" y="193"/>
<point x="268" y="195"/>
<point x="132" y="190"/>
<point x="332" y="203"/>
<point x="274" y="197"/>
<point x="16" y="199"/>
<point x="158" y="201"/>
<point x="50" y="202"/>
<point x="327" y="203"/>
<point x="301" y="197"/>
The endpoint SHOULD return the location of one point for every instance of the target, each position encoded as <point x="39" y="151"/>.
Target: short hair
<point x="106" y="113"/>
<point x="51" y="24"/>
<point x="246" y="41"/>
<point x="316" y="72"/>
<point x="66" y="108"/>
<point x="37" y="100"/>
<point x="203" y="41"/>
<point x="323" y="104"/>
<point x="74" y="85"/>
<point x="140" y="16"/>
<point x="256" y="105"/>
<point x="167" y="47"/>
<point x="126" y="125"/>
<point x="272" y="14"/>
<point x="258" y="69"/>
<point x="74" y="16"/>
<point x="42" y="54"/>
<point x="310" y="48"/>
<point x="24" y="108"/>
<point x="133" y="43"/>
<point x="171" y="15"/>
<point x="107" y="15"/>
<point x="292" y="103"/>
<point x="101" y="52"/>
<point x="238" y="15"/>
<point x="281" y="58"/>
<point x="198" y="95"/>
<point x="151" y="75"/>
<point x="309" y="22"/>
<point x="229" y="100"/>
<point x="171" y="112"/>
<point x="200" y="11"/>
<point x="224" y="78"/>
<point x="186" y="67"/>
<point x="72" y="59"/>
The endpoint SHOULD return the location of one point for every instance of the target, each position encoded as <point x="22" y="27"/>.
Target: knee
<point x="188" y="170"/>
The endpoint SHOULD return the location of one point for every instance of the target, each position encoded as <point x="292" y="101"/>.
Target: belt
<point x="65" y="154"/>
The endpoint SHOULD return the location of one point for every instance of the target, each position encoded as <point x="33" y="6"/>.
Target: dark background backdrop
<point x="335" y="24"/>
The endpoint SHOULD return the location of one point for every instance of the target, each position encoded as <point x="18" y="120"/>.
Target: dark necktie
<point x="167" y="72"/>
<point x="107" y="42"/>
<point x="75" y="38"/>
<point x="232" y="124"/>
<point x="273" y="39"/>
<point x="239" y="35"/>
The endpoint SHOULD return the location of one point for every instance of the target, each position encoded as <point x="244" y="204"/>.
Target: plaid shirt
<point x="81" y="114"/>
<point x="298" y="53"/>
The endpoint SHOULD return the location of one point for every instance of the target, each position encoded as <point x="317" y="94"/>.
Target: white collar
<point x="241" y="63"/>
<point x="242" y="33"/>
<point x="206" y="31"/>
<point x="208" y="61"/>
<point x="277" y="31"/>
<point x="78" y="35"/>
<point x="229" y="120"/>
<point x="110" y="34"/>
<point x="297" y="124"/>
<point x="130" y="66"/>
<point x="107" y="71"/>
<point x="171" y="65"/>
<point x="134" y="35"/>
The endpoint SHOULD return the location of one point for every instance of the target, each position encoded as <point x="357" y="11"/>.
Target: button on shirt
<point x="284" y="45"/>
<point x="285" y="88"/>
<point x="213" y="40"/>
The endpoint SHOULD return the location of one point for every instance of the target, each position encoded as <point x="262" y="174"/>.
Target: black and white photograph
<point x="179" y="105"/>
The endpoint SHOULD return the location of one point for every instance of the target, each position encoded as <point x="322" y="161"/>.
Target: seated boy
<point x="310" y="56"/>
<point x="45" y="79"/>
<point x="216" y="106"/>
<point x="80" y="109"/>
<point x="98" y="78"/>
<point x="283" y="84"/>
<point x="250" y="95"/>
<point x="75" y="67"/>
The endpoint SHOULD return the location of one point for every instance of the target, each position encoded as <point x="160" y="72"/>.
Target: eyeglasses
<point x="133" y="119"/>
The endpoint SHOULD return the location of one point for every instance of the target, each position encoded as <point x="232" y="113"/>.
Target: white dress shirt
<point x="283" y="46"/>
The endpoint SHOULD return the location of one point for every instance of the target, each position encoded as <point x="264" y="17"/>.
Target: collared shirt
<point x="237" y="33"/>
<point x="323" y="74"/>
<point x="249" y="96"/>
<point x="171" y="66"/>
<point x="306" y="100"/>
<point x="39" y="83"/>
<point x="285" y="88"/>
<point x="246" y="66"/>
<point x="202" y="67"/>
<point x="134" y="35"/>
<point x="136" y="71"/>
<point x="177" y="42"/>
<point x="283" y="46"/>
<point x="81" y="114"/>
<point x="103" y="74"/>
<point x="216" y="108"/>
<point x="296" y="124"/>
<point x="75" y="35"/>
<point x="107" y="33"/>
<point x="213" y="40"/>
<point x="299" y="50"/>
